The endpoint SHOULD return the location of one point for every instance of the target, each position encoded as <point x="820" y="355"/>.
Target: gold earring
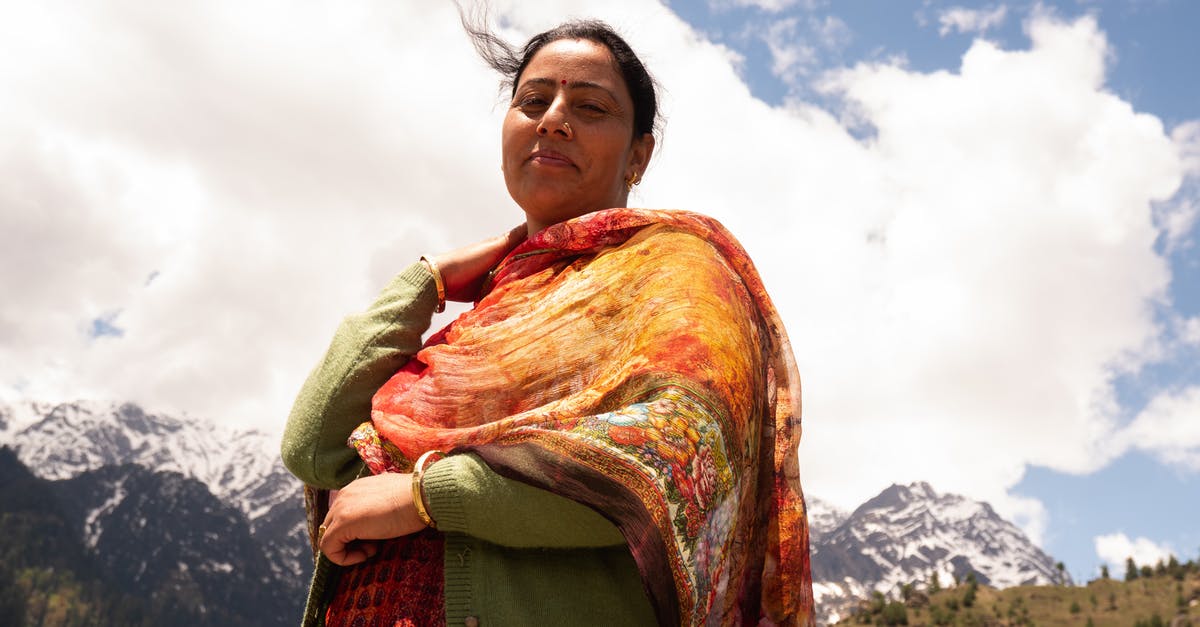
<point x="631" y="180"/>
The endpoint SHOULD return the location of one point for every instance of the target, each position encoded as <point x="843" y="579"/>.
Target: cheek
<point x="509" y="143"/>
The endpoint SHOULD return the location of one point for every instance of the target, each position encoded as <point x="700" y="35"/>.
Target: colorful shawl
<point x="631" y="360"/>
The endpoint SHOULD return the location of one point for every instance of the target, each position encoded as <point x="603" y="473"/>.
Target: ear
<point x="639" y="154"/>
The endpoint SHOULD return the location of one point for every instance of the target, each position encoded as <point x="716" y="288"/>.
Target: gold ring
<point x="320" y="532"/>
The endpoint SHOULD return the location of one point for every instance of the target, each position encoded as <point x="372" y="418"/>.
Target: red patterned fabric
<point x="402" y="586"/>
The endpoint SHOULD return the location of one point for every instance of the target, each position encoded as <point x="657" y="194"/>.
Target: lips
<point x="551" y="158"/>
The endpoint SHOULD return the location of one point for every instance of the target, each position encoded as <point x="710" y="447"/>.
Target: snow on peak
<point x="905" y="534"/>
<point x="59" y="441"/>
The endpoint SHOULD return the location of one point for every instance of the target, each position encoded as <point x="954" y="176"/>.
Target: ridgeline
<point x="1165" y="595"/>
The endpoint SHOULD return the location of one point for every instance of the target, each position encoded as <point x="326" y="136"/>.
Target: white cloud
<point x="1187" y="139"/>
<point x="1190" y="331"/>
<point x="830" y="31"/>
<point x="960" y="288"/>
<point x="970" y="20"/>
<point x="791" y="59"/>
<point x="1115" y="548"/>
<point x="770" y="6"/>
<point x="1169" y="426"/>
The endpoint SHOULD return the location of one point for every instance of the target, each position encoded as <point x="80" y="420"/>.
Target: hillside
<point x="1168" y="596"/>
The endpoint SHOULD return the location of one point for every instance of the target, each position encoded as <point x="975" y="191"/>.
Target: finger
<point x="357" y="553"/>
<point x="335" y="542"/>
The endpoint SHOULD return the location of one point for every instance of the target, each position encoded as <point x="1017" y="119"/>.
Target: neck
<point x="533" y="225"/>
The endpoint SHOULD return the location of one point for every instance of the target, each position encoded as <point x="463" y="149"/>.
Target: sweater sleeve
<point x="367" y="349"/>
<point x="466" y="496"/>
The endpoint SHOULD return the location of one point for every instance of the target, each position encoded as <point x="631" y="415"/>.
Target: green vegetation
<point x="1162" y="595"/>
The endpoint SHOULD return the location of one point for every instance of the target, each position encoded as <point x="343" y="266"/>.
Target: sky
<point x="978" y="220"/>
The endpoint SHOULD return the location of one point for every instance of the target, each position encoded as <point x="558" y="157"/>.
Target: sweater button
<point x="471" y="621"/>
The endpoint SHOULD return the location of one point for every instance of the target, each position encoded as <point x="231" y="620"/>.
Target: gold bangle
<point x="437" y="282"/>
<point x="418" y="495"/>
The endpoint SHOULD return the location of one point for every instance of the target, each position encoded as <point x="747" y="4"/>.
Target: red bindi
<point x="564" y="81"/>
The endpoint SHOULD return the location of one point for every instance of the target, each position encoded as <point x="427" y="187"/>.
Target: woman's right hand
<point x="463" y="270"/>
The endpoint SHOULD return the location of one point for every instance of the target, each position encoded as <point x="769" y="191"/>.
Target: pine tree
<point x="1104" y="571"/>
<point x="1131" y="569"/>
<point x="1174" y="569"/>
<point x="972" y="590"/>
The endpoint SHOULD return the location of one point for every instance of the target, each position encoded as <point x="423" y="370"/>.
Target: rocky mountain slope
<point x="131" y="546"/>
<point x="130" y="459"/>
<point x="240" y="467"/>
<point x="908" y="533"/>
<point x="903" y="535"/>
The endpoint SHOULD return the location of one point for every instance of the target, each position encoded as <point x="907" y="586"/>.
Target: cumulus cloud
<point x="961" y="286"/>
<point x="1169" y="426"/>
<point x="962" y="20"/>
<point x="1115" y="548"/>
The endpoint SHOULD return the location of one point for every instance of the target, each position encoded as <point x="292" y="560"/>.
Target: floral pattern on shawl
<point x="630" y="360"/>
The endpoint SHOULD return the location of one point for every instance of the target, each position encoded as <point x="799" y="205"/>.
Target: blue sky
<point x="1152" y="66"/>
<point x="978" y="221"/>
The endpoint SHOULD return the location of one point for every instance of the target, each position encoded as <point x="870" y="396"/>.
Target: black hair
<point x="511" y="61"/>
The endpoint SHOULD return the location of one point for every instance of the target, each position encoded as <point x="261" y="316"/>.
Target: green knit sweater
<point x="515" y="554"/>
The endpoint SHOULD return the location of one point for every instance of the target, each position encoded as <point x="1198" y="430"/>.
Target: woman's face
<point x="568" y="142"/>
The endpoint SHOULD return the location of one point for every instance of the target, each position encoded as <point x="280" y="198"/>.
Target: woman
<point x="608" y="437"/>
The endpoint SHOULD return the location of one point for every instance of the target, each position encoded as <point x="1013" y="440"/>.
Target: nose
<point x="554" y="120"/>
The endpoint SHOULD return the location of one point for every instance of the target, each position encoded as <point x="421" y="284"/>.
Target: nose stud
<point x="567" y="131"/>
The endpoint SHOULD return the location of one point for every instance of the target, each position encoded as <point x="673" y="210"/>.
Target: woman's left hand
<point x="378" y="507"/>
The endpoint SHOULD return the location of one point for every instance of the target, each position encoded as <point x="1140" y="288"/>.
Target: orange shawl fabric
<point x="631" y="360"/>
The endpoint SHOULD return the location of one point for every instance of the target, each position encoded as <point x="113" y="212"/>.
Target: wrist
<point x="418" y="491"/>
<point x="439" y="283"/>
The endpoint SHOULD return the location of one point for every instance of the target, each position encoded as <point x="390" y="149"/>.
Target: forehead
<point x="576" y="60"/>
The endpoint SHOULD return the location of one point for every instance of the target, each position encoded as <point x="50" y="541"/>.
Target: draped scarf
<point x="632" y="361"/>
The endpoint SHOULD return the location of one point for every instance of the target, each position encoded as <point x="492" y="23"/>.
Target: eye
<point x="530" y="101"/>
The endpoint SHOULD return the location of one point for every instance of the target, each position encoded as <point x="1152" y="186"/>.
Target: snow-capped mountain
<point x="63" y="440"/>
<point x="126" y="545"/>
<point x="240" y="467"/>
<point x="823" y="518"/>
<point x="901" y="536"/>
<point x="907" y="533"/>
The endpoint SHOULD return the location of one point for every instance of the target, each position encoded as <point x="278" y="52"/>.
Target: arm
<point x="366" y="351"/>
<point x="467" y="497"/>
<point x="464" y="495"/>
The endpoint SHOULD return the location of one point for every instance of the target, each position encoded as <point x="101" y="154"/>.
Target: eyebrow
<point x="573" y="85"/>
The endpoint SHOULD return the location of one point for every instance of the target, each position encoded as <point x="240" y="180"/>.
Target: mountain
<point x="906" y="534"/>
<point x="823" y="518"/>
<point x="239" y="467"/>
<point x="155" y="548"/>
<point x="116" y="461"/>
